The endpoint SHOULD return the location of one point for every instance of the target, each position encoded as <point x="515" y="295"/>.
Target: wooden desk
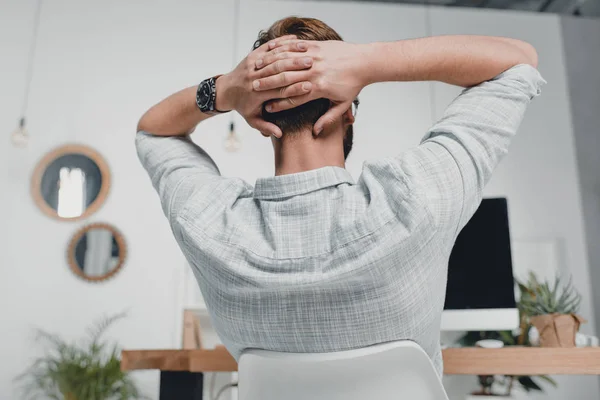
<point x="216" y="360"/>
<point x="181" y="370"/>
<point x="457" y="361"/>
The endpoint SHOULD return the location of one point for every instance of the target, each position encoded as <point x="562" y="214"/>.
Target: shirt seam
<point x="172" y="199"/>
<point x="280" y="196"/>
<point x="201" y="232"/>
<point x="402" y="176"/>
<point x="462" y="181"/>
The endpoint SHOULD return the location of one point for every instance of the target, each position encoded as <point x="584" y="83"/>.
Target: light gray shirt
<point x="314" y="262"/>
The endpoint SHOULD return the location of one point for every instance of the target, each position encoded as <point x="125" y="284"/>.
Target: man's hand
<point x="337" y="74"/>
<point x="288" y="77"/>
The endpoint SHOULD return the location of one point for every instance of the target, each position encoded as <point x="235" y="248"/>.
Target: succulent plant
<point x="541" y="298"/>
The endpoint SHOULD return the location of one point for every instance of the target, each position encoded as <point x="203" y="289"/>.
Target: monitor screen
<point x="480" y="267"/>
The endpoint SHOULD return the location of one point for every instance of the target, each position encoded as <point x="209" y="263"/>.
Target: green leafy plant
<point x="541" y="298"/>
<point x="90" y="370"/>
<point x="529" y="293"/>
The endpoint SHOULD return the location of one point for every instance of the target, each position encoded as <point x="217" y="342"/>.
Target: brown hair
<point x="305" y="115"/>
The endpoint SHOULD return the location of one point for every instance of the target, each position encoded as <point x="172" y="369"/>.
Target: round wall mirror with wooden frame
<point x="97" y="252"/>
<point x="70" y="182"/>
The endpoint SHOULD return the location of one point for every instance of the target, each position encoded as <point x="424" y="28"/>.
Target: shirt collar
<point x="276" y="187"/>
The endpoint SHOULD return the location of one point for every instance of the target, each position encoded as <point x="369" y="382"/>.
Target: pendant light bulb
<point x="20" y="136"/>
<point x="232" y="143"/>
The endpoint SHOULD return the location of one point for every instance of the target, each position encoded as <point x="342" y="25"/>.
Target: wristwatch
<point x="206" y="96"/>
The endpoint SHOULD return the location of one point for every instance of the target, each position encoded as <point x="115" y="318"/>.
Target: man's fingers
<point x="286" y="64"/>
<point x="290" y="101"/>
<point x="282" y="79"/>
<point x="281" y="52"/>
<point x="295" y="90"/>
<point x="331" y="116"/>
<point x="267" y="129"/>
<point x="282" y="42"/>
<point x="275" y="42"/>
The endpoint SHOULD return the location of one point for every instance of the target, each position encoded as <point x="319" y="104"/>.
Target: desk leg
<point x="181" y="385"/>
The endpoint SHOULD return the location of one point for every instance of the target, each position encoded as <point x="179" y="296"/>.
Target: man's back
<point x="311" y="262"/>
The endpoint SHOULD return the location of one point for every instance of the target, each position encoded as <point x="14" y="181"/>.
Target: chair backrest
<point x="389" y="371"/>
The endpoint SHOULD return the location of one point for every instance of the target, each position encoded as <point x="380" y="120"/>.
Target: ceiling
<point x="588" y="8"/>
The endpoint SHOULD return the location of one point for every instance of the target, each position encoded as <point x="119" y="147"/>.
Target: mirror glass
<point x="71" y="182"/>
<point x="97" y="252"/>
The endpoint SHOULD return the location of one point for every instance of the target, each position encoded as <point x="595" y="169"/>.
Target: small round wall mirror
<point x="71" y="182"/>
<point x="97" y="252"/>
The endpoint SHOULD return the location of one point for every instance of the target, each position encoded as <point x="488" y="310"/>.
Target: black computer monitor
<point x="480" y="292"/>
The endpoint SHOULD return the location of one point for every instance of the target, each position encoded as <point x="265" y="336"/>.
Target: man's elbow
<point x="529" y="53"/>
<point x="143" y="124"/>
<point x="150" y="124"/>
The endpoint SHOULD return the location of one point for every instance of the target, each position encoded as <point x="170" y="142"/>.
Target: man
<point x="309" y="260"/>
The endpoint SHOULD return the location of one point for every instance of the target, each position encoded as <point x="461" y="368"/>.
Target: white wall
<point x="582" y="44"/>
<point x="101" y="64"/>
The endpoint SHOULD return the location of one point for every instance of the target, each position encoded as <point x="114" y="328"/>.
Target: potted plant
<point x="552" y="309"/>
<point x="90" y="370"/>
<point x="501" y="387"/>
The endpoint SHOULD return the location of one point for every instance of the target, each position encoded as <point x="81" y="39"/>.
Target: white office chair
<point x="390" y="371"/>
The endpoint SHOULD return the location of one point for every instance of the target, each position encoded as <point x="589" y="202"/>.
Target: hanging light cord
<point x="236" y="20"/>
<point x="429" y="33"/>
<point x="32" y="48"/>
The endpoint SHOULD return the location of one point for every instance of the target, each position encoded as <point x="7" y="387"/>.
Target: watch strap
<point x="208" y="107"/>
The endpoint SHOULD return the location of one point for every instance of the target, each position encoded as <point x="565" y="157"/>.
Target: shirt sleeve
<point x="457" y="156"/>
<point x="177" y="167"/>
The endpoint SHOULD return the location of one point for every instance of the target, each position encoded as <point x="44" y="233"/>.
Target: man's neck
<point x="302" y="152"/>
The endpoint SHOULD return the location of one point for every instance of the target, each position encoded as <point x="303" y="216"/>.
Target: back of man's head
<point x="305" y="115"/>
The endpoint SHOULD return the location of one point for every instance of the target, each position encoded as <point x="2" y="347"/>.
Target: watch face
<point x="204" y="95"/>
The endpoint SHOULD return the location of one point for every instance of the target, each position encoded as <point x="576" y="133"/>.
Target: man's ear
<point x="348" y="118"/>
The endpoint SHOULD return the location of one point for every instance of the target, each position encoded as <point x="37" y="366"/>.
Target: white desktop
<point x="489" y="319"/>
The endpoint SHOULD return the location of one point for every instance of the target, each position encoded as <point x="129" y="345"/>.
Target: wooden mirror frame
<point x="73" y="244"/>
<point x="38" y="173"/>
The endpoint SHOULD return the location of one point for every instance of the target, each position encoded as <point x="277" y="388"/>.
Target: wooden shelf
<point x="457" y="361"/>
<point x="522" y="361"/>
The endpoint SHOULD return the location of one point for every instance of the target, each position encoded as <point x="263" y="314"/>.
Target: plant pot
<point x="557" y="330"/>
<point x="70" y="396"/>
